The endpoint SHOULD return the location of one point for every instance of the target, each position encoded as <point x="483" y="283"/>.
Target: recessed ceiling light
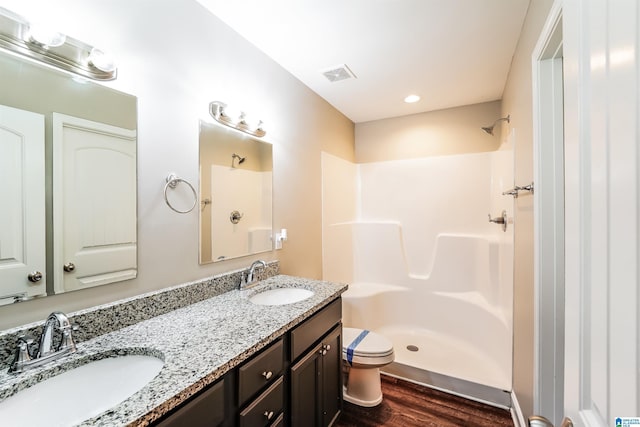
<point x="411" y="99"/>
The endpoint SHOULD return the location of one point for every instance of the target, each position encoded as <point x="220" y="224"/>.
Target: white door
<point x="599" y="379"/>
<point x="94" y="169"/>
<point x="602" y="195"/>
<point x="22" y="199"/>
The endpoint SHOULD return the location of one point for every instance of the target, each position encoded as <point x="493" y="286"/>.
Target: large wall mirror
<point x="68" y="173"/>
<point x="236" y="175"/>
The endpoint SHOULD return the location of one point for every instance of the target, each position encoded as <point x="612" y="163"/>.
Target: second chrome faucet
<point x="249" y="279"/>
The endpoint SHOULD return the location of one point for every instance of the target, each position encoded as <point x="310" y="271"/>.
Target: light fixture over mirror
<point x="223" y="114"/>
<point x="41" y="43"/>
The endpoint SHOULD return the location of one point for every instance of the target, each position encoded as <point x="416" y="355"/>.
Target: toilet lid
<point x="371" y="344"/>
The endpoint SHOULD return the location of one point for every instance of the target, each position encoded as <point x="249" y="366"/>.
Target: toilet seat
<point x="372" y="349"/>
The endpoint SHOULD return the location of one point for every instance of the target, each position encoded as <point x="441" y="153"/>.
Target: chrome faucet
<point x="61" y="322"/>
<point x="250" y="279"/>
<point x="23" y="359"/>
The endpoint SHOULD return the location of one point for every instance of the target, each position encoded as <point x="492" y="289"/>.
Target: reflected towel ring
<point x="172" y="182"/>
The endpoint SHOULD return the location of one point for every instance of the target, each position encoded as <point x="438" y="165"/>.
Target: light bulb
<point x="45" y="36"/>
<point x="102" y="61"/>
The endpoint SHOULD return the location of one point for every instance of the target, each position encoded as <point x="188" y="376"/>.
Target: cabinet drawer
<point x="260" y="371"/>
<point x="204" y="410"/>
<point x="303" y="336"/>
<point x="266" y="408"/>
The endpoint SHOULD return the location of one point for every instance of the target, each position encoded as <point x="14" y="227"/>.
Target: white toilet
<point x="364" y="353"/>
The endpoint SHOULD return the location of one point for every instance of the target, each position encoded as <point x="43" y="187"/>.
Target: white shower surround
<point x="252" y="233"/>
<point x="425" y="266"/>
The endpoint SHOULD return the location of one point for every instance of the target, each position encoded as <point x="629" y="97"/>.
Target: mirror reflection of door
<point x="236" y="173"/>
<point x="31" y="88"/>
<point x="22" y="217"/>
<point x="94" y="167"/>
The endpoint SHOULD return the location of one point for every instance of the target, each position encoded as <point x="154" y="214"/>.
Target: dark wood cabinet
<point x="266" y="408"/>
<point x="316" y="383"/>
<point x="296" y="381"/>
<point x="261" y="370"/>
<point x="331" y="393"/>
<point x="314" y="328"/>
<point x="206" y="409"/>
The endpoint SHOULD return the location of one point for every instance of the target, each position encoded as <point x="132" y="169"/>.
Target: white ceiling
<point x="450" y="52"/>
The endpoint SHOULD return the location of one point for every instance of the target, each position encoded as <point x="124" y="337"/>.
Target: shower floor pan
<point x="428" y="355"/>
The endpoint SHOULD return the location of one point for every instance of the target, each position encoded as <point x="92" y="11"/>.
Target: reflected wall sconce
<point x="53" y="48"/>
<point x="222" y="114"/>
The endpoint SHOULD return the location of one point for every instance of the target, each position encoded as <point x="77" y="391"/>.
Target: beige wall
<point x="517" y="101"/>
<point x="435" y="133"/>
<point x="176" y="58"/>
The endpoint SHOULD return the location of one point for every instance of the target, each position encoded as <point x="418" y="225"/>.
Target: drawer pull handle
<point x="267" y="375"/>
<point x="328" y="347"/>
<point x="268" y="414"/>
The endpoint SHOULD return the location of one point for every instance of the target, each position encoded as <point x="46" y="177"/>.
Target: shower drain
<point x="412" y="348"/>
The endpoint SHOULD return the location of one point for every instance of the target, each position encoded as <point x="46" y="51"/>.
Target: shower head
<point x="489" y="129"/>
<point x="234" y="156"/>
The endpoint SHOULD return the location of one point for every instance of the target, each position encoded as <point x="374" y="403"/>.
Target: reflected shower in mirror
<point x="236" y="174"/>
<point x="67" y="221"/>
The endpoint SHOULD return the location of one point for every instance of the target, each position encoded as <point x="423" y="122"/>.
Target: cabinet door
<point x="331" y="376"/>
<point x="305" y="389"/>
<point x="316" y="383"/>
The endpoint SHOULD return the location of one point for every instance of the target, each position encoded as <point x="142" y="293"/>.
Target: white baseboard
<point x="516" y="412"/>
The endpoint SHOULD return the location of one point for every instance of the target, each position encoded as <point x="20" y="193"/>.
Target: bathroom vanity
<point x="228" y="360"/>
<point x="298" y="378"/>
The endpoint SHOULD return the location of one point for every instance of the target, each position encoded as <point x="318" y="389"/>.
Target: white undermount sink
<point x="80" y="393"/>
<point x="281" y="296"/>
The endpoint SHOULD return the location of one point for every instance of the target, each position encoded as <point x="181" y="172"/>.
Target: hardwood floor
<point x="407" y="405"/>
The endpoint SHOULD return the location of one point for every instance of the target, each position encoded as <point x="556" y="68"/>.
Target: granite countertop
<point x="199" y="343"/>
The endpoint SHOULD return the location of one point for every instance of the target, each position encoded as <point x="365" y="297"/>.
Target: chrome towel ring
<point x="172" y="182"/>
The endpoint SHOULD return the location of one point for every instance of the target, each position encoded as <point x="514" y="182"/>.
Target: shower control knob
<point x="35" y="276"/>
<point x="69" y="267"/>
<point x="502" y="219"/>
<point x="497" y="220"/>
<point x="235" y="217"/>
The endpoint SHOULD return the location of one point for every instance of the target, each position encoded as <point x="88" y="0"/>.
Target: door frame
<point x="549" y="262"/>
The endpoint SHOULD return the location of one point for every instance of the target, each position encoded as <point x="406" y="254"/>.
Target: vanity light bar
<point x="218" y="112"/>
<point x="18" y="36"/>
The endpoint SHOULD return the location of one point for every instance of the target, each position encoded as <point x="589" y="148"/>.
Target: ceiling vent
<point x="337" y="73"/>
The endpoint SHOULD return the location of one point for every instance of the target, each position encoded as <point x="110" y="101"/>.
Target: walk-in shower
<point x="425" y="268"/>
